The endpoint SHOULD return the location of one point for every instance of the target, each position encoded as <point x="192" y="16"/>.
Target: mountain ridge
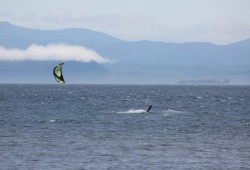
<point x="173" y="62"/>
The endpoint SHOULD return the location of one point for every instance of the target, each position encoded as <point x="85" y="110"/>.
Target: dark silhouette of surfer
<point x="149" y="108"/>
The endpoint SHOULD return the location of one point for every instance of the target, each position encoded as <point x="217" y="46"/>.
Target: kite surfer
<point x="149" y="108"/>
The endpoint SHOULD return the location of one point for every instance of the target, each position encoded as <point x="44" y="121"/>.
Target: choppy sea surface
<point x="64" y="127"/>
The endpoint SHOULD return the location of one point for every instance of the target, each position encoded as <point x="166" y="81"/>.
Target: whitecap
<point x="133" y="111"/>
<point x="171" y="111"/>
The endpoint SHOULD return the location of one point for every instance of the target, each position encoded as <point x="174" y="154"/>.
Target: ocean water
<point x="64" y="127"/>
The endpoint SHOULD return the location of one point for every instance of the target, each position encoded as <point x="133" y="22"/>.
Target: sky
<point x="215" y="21"/>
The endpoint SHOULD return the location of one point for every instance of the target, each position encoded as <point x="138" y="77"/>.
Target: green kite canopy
<point x="58" y="73"/>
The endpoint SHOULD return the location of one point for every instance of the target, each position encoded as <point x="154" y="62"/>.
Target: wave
<point x="133" y="111"/>
<point x="52" y="120"/>
<point x="168" y="111"/>
<point x="172" y="111"/>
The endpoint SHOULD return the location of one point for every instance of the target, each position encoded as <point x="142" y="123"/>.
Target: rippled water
<point x="106" y="127"/>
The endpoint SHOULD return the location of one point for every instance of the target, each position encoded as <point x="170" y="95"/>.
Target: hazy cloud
<point x="152" y="27"/>
<point x="222" y="22"/>
<point x="62" y="52"/>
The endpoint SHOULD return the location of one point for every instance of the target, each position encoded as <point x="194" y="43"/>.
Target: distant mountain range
<point x="134" y="62"/>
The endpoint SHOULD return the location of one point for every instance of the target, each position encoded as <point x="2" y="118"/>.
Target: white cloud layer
<point x="61" y="52"/>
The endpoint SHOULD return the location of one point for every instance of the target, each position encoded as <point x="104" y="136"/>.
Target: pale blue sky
<point x="216" y="21"/>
